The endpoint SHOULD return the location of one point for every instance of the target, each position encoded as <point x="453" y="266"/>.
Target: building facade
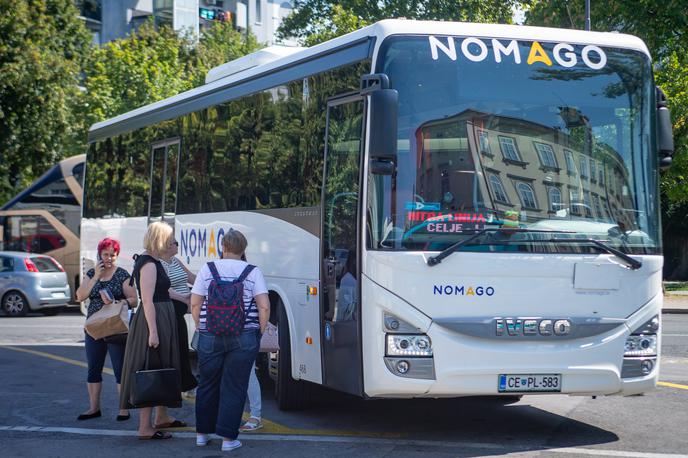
<point x="112" y="19"/>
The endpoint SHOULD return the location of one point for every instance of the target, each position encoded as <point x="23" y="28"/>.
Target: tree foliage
<point x="42" y="43"/>
<point x="318" y="20"/>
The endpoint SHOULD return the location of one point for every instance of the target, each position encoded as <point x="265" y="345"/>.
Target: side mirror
<point x="383" y="124"/>
<point x="665" y="137"/>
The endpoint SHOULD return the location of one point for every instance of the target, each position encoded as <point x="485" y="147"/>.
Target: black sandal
<point x="158" y="435"/>
<point x="123" y="417"/>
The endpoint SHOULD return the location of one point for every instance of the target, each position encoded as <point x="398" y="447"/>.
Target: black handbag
<point x="156" y="387"/>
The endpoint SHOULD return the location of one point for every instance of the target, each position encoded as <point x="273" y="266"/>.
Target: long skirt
<point x="166" y="355"/>
<point x="189" y="382"/>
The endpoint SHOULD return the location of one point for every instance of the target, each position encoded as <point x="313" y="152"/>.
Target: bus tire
<point x="291" y="394"/>
<point x="15" y="304"/>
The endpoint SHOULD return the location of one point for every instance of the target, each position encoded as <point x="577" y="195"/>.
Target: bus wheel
<point x="15" y="304"/>
<point x="291" y="394"/>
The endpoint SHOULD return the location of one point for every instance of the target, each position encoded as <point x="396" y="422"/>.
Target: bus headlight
<point x="642" y="345"/>
<point x="408" y="345"/>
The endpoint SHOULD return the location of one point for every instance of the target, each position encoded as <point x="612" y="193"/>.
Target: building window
<point x="600" y="172"/>
<point x="527" y="195"/>
<point x="587" y="204"/>
<point x="484" y="143"/>
<point x="546" y="154"/>
<point x="570" y="164"/>
<point x="259" y="12"/>
<point x="598" y="207"/>
<point x="555" y="202"/>
<point x="498" y="189"/>
<point x="584" y="167"/>
<point x="593" y="169"/>
<point x="574" y="198"/>
<point x="509" y="150"/>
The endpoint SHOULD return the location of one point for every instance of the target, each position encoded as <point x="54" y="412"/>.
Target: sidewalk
<point x="675" y="302"/>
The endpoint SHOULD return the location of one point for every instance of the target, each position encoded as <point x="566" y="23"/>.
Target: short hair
<point x="157" y="237"/>
<point x="234" y="242"/>
<point x="107" y="243"/>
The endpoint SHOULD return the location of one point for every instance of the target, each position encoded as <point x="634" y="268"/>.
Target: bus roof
<point x="53" y="173"/>
<point x="377" y="31"/>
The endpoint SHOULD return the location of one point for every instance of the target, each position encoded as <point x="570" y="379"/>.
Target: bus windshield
<point x="517" y="134"/>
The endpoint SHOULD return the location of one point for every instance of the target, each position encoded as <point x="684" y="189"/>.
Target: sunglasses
<point x="175" y="243"/>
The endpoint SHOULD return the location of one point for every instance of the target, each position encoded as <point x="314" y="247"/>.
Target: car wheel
<point x="15" y="304"/>
<point x="51" y="311"/>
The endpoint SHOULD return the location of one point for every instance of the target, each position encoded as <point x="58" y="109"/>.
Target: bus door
<point x="340" y="272"/>
<point x="162" y="201"/>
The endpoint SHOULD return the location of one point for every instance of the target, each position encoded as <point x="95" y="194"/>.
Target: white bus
<point x="440" y="209"/>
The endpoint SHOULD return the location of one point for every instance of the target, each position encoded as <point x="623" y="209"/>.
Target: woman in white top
<point x="224" y="358"/>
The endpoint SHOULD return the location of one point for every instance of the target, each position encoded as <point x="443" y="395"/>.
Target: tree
<point x="126" y="74"/>
<point x="313" y="21"/>
<point x="42" y="43"/>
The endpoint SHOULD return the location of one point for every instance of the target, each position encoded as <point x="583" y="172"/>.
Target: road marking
<point x="47" y="326"/>
<point x="62" y="359"/>
<point x="258" y="437"/>
<point x="673" y="385"/>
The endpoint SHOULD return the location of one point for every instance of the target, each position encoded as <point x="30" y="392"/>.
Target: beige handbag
<point x="109" y="320"/>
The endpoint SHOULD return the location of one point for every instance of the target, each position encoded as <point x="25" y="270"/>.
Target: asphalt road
<point x="43" y="390"/>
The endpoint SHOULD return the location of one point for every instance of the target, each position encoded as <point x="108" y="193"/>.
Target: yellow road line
<point x="673" y="385"/>
<point x="62" y="359"/>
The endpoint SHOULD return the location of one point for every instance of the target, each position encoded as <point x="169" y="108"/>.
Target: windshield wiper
<point x="632" y="264"/>
<point x="434" y="260"/>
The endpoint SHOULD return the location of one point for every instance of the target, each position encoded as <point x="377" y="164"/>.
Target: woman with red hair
<point x="103" y="285"/>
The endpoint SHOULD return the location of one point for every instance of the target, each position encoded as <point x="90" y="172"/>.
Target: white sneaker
<point x="228" y="446"/>
<point x="202" y="440"/>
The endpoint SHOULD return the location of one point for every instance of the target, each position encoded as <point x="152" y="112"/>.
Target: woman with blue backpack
<point x="230" y="305"/>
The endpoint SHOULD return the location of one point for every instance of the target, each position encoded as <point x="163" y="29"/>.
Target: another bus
<point x="440" y="209"/>
<point x="45" y="217"/>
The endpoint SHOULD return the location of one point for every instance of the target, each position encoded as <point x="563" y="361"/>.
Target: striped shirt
<point x="230" y="269"/>
<point x="179" y="279"/>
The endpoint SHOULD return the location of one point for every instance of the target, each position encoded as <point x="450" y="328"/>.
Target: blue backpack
<point x="225" y="315"/>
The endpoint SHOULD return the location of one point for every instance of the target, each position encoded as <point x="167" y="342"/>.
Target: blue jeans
<point x="224" y="365"/>
<point x="95" y="355"/>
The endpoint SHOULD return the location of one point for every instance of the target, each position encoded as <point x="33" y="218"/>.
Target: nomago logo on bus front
<point x="462" y="290"/>
<point x="564" y="54"/>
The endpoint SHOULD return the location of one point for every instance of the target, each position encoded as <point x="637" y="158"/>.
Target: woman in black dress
<point x="154" y="327"/>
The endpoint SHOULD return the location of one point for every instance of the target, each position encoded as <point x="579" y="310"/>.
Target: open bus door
<point x="342" y="365"/>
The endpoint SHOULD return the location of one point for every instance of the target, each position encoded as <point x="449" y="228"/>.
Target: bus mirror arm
<point x="665" y="138"/>
<point x="382" y="166"/>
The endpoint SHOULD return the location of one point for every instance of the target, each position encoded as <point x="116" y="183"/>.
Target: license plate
<point x="550" y="383"/>
<point x="59" y="294"/>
